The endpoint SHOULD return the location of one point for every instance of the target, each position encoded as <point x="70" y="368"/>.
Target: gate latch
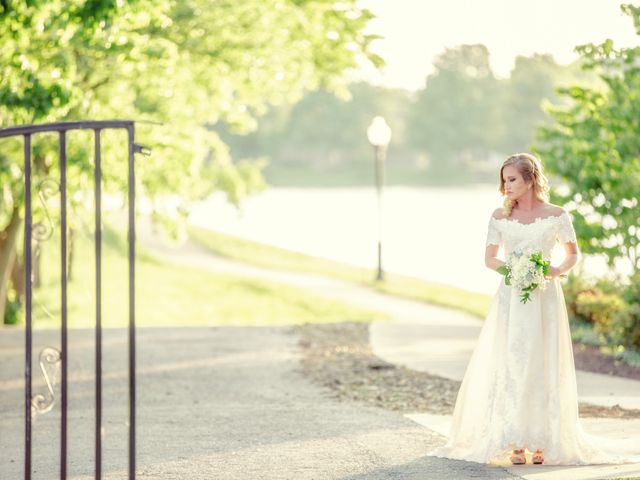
<point x="137" y="148"/>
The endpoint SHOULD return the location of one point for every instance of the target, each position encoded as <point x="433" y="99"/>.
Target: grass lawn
<point x="271" y="257"/>
<point x="170" y="295"/>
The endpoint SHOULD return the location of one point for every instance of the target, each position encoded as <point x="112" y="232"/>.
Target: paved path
<point x="226" y="403"/>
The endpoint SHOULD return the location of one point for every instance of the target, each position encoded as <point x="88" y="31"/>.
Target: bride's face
<point x="514" y="185"/>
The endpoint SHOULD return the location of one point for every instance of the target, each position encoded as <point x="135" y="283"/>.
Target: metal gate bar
<point x="62" y="129"/>
<point x="97" y="172"/>
<point x="132" y="310"/>
<point x="28" y="231"/>
<point x="63" y="303"/>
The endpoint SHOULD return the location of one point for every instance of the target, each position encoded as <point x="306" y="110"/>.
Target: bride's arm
<point x="491" y="259"/>
<point x="572" y="257"/>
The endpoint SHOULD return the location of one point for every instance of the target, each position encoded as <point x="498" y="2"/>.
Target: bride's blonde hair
<point x="530" y="167"/>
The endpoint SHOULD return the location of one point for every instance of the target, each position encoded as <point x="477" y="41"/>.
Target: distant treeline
<point x="456" y="129"/>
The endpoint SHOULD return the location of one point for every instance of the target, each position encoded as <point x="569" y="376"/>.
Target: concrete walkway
<point x="224" y="403"/>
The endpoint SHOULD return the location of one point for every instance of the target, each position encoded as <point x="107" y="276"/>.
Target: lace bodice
<point x="542" y="234"/>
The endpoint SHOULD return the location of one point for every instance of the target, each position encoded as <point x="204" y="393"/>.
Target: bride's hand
<point x="553" y="273"/>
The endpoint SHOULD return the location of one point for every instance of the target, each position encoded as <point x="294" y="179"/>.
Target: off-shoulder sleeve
<point x="566" y="233"/>
<point x="494" y="237"/>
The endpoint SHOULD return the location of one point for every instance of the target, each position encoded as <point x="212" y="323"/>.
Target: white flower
<point x="525" y="270"/>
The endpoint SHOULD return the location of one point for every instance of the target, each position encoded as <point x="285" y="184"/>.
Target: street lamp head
<point x="379" y="133"/>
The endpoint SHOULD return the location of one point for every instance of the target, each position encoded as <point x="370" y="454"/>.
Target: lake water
<point x="432" y="233"/>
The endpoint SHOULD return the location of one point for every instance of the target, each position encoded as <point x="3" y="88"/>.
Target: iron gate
<point x="31" y="402"/>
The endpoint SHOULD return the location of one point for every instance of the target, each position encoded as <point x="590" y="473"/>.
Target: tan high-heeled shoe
<point x="518" y="457"/>
<point x="537" y="457"/>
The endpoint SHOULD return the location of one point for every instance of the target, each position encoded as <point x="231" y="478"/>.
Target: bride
<point x="518" y="398"/>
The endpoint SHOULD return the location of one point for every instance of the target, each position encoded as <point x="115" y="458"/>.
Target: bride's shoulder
<point x="498" y="214"/>
<point x="552" y="210"/>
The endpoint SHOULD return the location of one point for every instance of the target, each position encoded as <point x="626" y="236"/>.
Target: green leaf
<point x="503" y="269"/>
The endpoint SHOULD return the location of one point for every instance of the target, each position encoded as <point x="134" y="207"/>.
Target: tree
<point x="455" y="117"/>
<point x="593" y="145"/>
<point x="187" y="63"/>
<point x="532" y="82"/>
<point x="322" y="131"/>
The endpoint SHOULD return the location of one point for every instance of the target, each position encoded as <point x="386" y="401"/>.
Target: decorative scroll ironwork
<point x="49" y="360"/>
<point x="42" y="231"/>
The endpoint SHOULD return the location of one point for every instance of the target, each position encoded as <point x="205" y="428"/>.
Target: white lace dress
<point x="519" y="389"/>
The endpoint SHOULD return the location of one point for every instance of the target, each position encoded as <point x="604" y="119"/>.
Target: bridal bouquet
<point x="525" y="271"/>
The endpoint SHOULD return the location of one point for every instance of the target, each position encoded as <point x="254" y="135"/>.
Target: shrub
<point x="574" y="285"/>
<point x="607" y="312"/>
<point x="611" y="308"/>
<point x="13" y="311"/>
<point x="607" y="286"/>
<point x="631" y="294"/>
<point x="629" y="321"/>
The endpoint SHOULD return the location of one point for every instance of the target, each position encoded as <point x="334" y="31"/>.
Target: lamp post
<point x="379" y="135"/>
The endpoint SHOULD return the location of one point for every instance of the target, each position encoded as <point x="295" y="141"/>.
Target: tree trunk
<point x="8" y="239"/>
<point x="17" y="275"/>
<point x="36" y="255"/>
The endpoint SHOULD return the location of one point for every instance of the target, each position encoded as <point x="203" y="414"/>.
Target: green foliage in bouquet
<point x="539" y="262"/>
<point x="506" y="271"/>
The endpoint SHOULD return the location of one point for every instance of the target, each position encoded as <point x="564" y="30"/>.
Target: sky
<point x="416" y="31"/>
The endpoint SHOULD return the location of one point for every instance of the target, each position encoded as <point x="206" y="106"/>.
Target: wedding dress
<point x="519" y="389"/>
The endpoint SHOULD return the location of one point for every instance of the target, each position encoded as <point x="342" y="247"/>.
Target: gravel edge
<point x="339" y="356"/>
